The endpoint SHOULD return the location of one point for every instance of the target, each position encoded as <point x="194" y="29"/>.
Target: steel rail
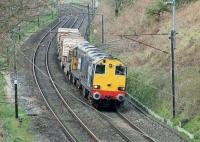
<point x="143" y="110"/>
<point x="63" y="126"/>
<point x="105" y="117"/>
<point x="71" y="137"/>
<point x="146" y="136"/>
<point x="102" y="115"/>
<point x="130" y="123"/>
<point x="70" y="109"/>
<point x="60" y="95"/>
<point x="73" y="113"/>
<point x="82" y="20"/>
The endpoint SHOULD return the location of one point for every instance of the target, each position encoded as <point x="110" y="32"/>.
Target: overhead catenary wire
<point x="147" y="45"/>
<point x="68" y="91"/>
<point x="134" y="40"/>
<point x="26" y="58"/>
<point x="63" y="89"/>
<point x="143" y="34"/>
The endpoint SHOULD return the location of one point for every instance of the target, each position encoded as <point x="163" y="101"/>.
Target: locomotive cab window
<point x="120" y="70"/>
<point x="100" y="69"/>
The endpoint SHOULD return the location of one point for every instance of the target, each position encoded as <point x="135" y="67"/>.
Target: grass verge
<point x="12" y="129"/>
<point x="28" y="28"/>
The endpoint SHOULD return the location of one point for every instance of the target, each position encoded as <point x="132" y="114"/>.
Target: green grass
<point x="194" y="127"/>
<point x="3" y="63"/>
<point x="28" y="28"/>
<point x="14" y="131"/>
<point x="92" y="38"/>
<point x="159" y="100"/>
<point x="149" y="75"/>
<point x="155" y="10"/>
<point x="137" y="86"/>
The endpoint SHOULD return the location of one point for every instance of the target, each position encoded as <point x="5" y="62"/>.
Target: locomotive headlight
<point x="96" y="96"/>
<point x="121" y="88"/>
<point x="96" y="86"/>
<point x="120" y="97"/>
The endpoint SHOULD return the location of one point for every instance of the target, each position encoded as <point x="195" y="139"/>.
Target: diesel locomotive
<point x="100" y="77"/>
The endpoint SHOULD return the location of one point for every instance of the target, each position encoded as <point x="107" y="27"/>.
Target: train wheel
<point x="83" y="91"/>
<point x="92" y="102"/>
<point x="95" y="104"/>
<point x="78" y="84"/>
<point x="86" y="93"/>
<point x="59" y="59"/>
<point x="90" y="99"/>
<point x="74" y="81"/>
<point x="118" y="104"/>
<point x="69" y="77"/>
<point x="62" y="65"/>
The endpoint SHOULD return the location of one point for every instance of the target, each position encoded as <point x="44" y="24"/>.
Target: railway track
<point x="146" y="136"/>
<point x="136" y="128"/>
<point x="75" y="102"/>
<point x="59" y="94"/>
<point x="72" y="104"/>
<point x="141" y="137"/>
<point x="125" y="128"/>
<point x="41" y="71"/>
<point x="40" y="89"/>
<point x="141" y="119"/>
<point x="69" y="100"/>
<point x="73" y="95"/>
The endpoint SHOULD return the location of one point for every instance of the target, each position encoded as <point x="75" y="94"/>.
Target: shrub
<point x="137" y="87"/>
<point x="155" y="10"/>
<point x="121" y="4"/>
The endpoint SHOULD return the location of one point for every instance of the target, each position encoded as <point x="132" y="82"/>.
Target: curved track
<point x="148" y="124"/>
<point x="41" y="71"/>
<point x="50" y="81"/>
<point x="74" y="100"/>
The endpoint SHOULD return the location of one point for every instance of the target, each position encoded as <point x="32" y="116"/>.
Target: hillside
<point x="149" y="70"/>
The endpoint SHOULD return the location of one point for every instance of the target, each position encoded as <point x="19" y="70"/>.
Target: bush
<point x="155" y="10"/>
<point x="121" y="4"/>
<point x="137" y="87"/>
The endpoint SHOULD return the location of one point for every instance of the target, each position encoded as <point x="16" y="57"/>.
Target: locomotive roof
<point x="93" y="53"/>
<point x="94" y="50"/>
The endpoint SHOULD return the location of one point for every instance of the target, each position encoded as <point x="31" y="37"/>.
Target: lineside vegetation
<point x="149" y="75"/>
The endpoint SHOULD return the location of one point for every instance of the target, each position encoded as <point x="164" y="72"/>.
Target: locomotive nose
<point x="120" y="97"/>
